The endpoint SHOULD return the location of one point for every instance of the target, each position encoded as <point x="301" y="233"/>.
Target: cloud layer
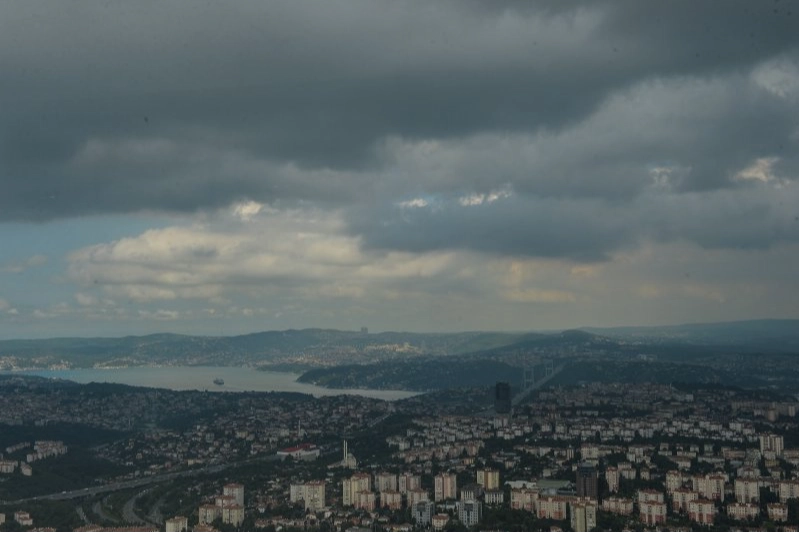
<point x="373" y="152"/>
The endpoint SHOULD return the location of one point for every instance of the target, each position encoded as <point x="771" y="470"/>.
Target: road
<point x="155" y="516"/>
<point x="99" y="510"/>
<point x="82" y="514"/>
<point x="141" y="482"/>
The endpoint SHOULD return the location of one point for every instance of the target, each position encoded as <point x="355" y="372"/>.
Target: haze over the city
<point x="217" y="168"/>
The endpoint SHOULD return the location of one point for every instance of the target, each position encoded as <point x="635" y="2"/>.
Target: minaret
<point x="344" y="462"/>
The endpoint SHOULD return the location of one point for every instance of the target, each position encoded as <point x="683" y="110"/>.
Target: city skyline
<point x="220" y="169"/>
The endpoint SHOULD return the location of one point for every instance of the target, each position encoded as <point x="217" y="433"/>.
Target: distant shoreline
<point x="236" y="379"/>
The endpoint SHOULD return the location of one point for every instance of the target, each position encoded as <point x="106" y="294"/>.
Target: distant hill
<point x="768" y="335"/>
<point x="317" y="347"/>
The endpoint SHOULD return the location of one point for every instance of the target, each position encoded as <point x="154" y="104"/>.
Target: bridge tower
<point x="529" y="377"/>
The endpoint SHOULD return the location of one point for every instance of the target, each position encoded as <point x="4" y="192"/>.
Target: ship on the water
<point x="219" y="381"/>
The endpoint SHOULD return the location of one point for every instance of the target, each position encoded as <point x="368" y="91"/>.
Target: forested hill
<point x="314" y="348"/>
<point x="306" y="347"/>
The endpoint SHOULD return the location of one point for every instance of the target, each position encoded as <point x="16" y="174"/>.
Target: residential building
<point x="702" y="511"/>
<point x="350" y="487"/>
<point x="488" y="478"/>
<point x="743" y="511"/>
<point x="674" y="480"/>
<point x="423" y="512"/>
<point x="23" y="518"/>
<point x="788" y="488"/>
<point x="208" y="513"/>
<point x="502" y="398"/>
<point x="494" y="497"/>
<point x="612" y="478"/>
<point x="236" y="490"/>
<point x="440" y="521"/>
<point x="385" y="481"/>
<point x="583" y="515"/>
<point x="615" y="505"/>
<point x="652" y="513"/>
<point x="777" y="512"/>
<point x="587" y="482"/>
<point x="391" y="499"/>
<point x="680" y="498"/>
<point x="524" y="499"/>
<point x="710" y="486"/>
<point x="747" y="490"/>
<point x="552" y="507"/>
<point x="177" y="523"/>
<point x="771" y="443"/>
<point x="470" y="512"/>
<point x="233" y="514"/>
<point x="650" y="495"/>
<point x="315" y="496"/>
<point x="445" y="487"/>
<point x="471" y="491"/>
<point x="417" y="495"/>
<point x="365" y="500"/>
<point x="408" y="482"/>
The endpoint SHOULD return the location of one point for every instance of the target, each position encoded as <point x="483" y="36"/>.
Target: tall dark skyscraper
<point x="587" y="482"/>
<point x="502" y="403"/>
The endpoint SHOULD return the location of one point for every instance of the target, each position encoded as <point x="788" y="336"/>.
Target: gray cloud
<point x="579" y="108"/>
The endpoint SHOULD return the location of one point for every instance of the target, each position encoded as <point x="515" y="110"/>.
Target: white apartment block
<point x="612" y="478"/>
<point x="777" y="512"/>
<point x="351" y="486"/>
<point x="391" y="499"/>
<point x="470" y="512"/>
<point x="622" y="506"/>
<point x="445" y="487"/>
<point x="748" y="490"/>
<point x="408" y="482"/>
<point x="674" y="480"/>
<point x="710" y="486"/>
<point x="365" y="500"/>
<point x="488" y="478"/>
<point x="494" y="497"/>
<point x="385" y="481"/>
<point x="524" y="499"/>
<point x="439" y="521"/>
<point x="680" y="498"/>
<point x="315" y="496"/>
<point x="652" y="513"/>
<point x="702" y="511"/>
<point x="743" y="511"/>
<point x="233" y="514"/>
<point x="650" y="495"/>
<point x="23" y="518"/>
<point x="771" y="443"/>
<point x="552" y="507"/>
<point x="236" y="490"/>
<point x="583" y="515"/>
<point x="788" y="488"/>
<point x="417" y="495"/>
<point x="423" y="513"/>
<point x="208" y="513"/>
<point x="177" y="524"/>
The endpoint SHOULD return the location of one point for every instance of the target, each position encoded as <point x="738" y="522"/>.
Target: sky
<point x="225" y="167"/>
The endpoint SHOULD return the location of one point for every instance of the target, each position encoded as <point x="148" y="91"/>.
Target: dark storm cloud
<point x="122" y="107"/>
<point x="588" y="230"/>
<point x="580" y="230"/>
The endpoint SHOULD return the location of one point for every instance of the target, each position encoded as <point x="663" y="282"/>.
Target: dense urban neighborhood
<point x="586" y="457"/>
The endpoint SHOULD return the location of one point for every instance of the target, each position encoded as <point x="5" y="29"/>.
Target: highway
<point x="140" y="482"/>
